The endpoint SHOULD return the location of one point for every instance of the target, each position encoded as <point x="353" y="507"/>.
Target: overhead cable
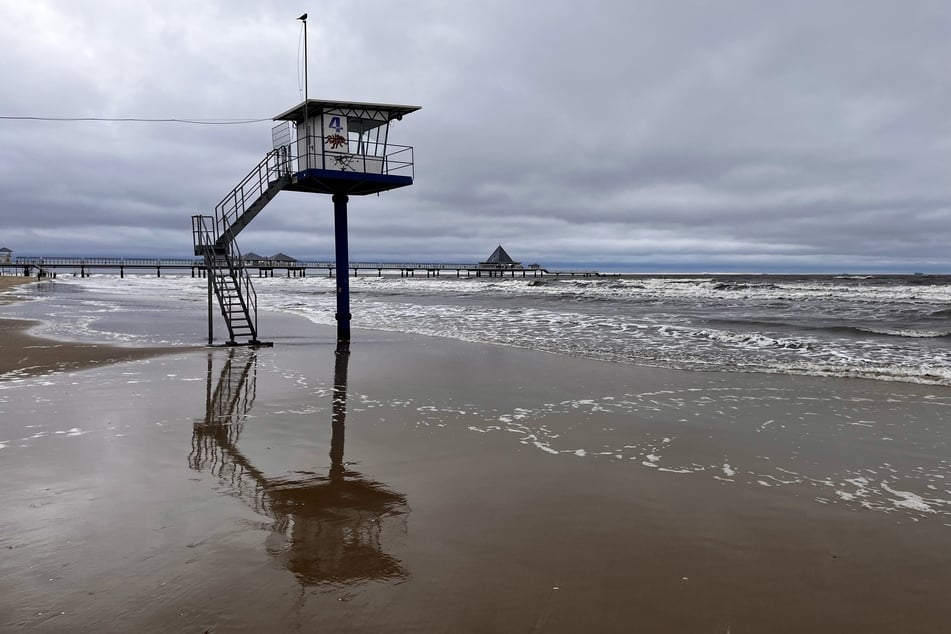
<point x="140" y="120"/>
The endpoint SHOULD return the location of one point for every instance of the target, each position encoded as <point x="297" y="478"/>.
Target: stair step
<point x="231" y="279"/>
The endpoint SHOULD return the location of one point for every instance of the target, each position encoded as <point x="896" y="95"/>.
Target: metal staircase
<point x="214" y="240"/>
<point x="252" y="194"/>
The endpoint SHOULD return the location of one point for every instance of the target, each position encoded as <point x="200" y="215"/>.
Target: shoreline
<point x="558" y="320"/>
<point x="12" y="281"/>
<point x="25" y="355"/>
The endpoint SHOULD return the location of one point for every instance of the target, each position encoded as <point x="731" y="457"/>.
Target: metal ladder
<point x="214" y="240"/>
<point x="229" y="281"/>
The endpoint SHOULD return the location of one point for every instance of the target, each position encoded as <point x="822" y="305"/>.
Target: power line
<point x="140" y="120"/>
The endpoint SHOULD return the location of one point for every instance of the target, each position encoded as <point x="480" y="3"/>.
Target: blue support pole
<point x="343" y="264"/>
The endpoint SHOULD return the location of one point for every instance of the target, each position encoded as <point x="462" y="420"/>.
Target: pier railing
<point x="82" y="264"/>
<point x="107" y="262"/>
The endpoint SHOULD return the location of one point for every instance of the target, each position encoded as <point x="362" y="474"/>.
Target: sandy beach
<point x="22" y="354"/>
<point x="421" y="484"/>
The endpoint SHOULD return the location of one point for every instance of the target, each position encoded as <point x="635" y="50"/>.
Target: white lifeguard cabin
<point x="343" y="147"/>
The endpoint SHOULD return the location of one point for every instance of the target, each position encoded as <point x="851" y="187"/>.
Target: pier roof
<point x="499" y="256"/>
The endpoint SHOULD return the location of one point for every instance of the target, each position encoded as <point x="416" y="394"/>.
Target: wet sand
<point x="22" y="354"/>
<point x="430" y="485"/>
<point x="8" y="282"/>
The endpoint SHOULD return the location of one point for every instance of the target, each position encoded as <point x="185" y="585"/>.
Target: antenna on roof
<point x="303" y="19"/>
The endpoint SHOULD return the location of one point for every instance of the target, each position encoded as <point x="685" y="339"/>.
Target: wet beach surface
<point x="23" y="354"/>
<point x="422" y="484"/>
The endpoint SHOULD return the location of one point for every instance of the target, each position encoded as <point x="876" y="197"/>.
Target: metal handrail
<point x="276" y="164"/>
<point x="281" y="162"/>
<point x="204" y="240"/>
<point x="244" y="279"/>
<point x="393" y="160"/>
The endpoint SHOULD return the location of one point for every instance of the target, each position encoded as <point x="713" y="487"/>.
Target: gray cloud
<point x="739" y="135"/>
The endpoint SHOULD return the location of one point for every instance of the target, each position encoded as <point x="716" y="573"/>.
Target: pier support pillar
<point x="343" y="262"/>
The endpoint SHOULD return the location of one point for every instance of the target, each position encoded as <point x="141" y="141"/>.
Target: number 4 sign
<point x="335" y="133"/>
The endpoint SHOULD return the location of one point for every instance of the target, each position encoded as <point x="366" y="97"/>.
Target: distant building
<point x="253" y="259"/>
<point x="282" y="258"/>
<point x="6" y="255"/>
<point x="500" y="260"/>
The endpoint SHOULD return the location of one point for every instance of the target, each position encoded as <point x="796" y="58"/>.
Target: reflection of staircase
<point x="214" y="239"/>
<point x="235" y="391"/>
<point x="226" y="407"/>
<point x="327" y="529"/>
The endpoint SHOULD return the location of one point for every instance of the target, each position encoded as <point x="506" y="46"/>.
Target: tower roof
<point x="355" y="110"/>
<point x="499" y="256"/>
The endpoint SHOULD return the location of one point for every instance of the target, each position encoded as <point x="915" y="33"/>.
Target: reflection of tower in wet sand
<point x="327" y="528"/>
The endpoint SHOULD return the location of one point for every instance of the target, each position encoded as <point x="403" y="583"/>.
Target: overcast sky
<point x="623" y="135"/>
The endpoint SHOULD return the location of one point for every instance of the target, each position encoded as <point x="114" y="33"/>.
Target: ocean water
<point x="890" y="328"/>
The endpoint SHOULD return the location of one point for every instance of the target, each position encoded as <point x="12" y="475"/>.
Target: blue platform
<point x="321" y="181"/>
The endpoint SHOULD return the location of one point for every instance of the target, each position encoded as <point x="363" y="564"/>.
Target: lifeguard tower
<point x="340" y="148"/>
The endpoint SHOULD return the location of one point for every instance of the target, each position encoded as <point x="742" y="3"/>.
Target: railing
<point x="390" y="160"/>
<point x="400" y="160"/>
<point x="202" y="237"/>
<point x="54" y="262"/>
<point x="204" y="240"/>
<point x="130" y="262"/>
<point x="248" y="295"/>
<point x="276" y="165"/>
<point x="417" y="265"/>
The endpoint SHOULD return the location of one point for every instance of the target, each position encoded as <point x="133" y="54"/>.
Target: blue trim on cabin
<point x="322" y="181"/>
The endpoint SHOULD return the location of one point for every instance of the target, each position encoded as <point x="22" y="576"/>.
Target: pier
<point x="83" y="267"/>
